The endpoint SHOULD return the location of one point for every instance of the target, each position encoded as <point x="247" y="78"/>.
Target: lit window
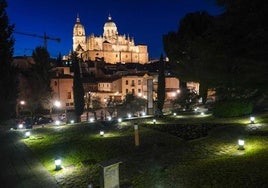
<point x="69" y="95"/>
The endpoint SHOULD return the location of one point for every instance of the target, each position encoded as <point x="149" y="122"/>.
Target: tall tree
<point x="8" y="81"/>
<point x="190" y="51"/>
<point x="35" y="82"/>
<point x="161" y="88"/>
<point x="228" y="52"/>
<point x="78" y="89"/>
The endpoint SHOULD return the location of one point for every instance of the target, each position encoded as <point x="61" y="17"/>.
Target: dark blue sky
<point x="145" y="20"/>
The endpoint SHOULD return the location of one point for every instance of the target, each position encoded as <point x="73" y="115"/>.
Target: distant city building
<point x="110" y="47"/>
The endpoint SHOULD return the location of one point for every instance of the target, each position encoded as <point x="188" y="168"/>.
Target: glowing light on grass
<point x="143" y="114"/>
<point x="101" y="133"/>
<point x="58" y="163"/>
<point x="109" y="118"/>
<point x="119" y="120"/>
<point x="202" y="113"/>
<point x="154" y="121"/>
<point x="27" y="134"/>
<point x="129" y="115"/>
<point x="72" y="121"/>
<point x="241" y="144"/>
<point x="252" y="119"/>
<point x="174" y="113"/>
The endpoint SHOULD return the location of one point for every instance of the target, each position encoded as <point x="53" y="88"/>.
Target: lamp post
<point x="57" y="104"/>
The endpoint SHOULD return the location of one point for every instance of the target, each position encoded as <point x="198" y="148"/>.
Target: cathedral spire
<point x="109" y="17"/>
<point x="77" y="18"/>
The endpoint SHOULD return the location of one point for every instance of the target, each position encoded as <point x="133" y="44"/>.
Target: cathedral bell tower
<point x="79" y="37"/>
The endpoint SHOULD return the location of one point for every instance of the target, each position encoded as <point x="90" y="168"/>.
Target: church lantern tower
<point x="79" y="36"/>
<point x="110" y="30"/>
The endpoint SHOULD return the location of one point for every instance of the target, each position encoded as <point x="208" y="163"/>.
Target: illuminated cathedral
<point x="111" y="47"/>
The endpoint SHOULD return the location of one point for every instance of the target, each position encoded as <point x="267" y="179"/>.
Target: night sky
<point x="145" y="20"/>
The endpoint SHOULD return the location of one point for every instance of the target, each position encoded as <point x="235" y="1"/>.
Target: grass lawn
<point x="161" y="160"/>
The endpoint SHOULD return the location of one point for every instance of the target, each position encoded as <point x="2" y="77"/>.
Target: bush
<point x="232" y="108"/>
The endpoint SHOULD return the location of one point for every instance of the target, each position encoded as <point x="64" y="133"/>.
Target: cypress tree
<point x="78" y="90"/>
<point x="8" y="81"/>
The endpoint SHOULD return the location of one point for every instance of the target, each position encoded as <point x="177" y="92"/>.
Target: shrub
<point x="232" y="108"/>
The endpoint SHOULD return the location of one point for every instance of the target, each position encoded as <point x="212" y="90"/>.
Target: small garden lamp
<point x="72" y="121"/>
<point x="119" y="120"/>
<point x="27" y="134"/>
<point x="101" y="133"/>
<point x="129" y="115"/>
<point x="252" y="119"/>
<point x="154" y="121"/>
<point x="241" y="144"/>
<point x="109" y="118"/>
<point x="174" y="113"/>
<point x="58" y="163"/>
<point x="57" y="122"/>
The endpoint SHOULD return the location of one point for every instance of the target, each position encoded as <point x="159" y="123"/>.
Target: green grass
<point x="161" y="160"/>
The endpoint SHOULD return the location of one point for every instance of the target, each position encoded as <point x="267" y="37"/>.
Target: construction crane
<point x="44" y="37"/>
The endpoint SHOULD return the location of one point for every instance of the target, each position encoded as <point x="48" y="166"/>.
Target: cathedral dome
<point x="78" y="28"/>
<point x="109" y="29"/>
<point x="109" y="22"/>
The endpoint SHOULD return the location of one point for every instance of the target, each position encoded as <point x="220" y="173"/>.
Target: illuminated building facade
<point x="111" y="47"/>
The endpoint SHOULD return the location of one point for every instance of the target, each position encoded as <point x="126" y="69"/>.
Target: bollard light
<point x="241" y="144"/>
<point x="119" y="120"/>
<point x="91" y="120"/>
<point x="57" y="122"/>
<point x="154" y="121"/>
<point x="129" y="115"/>
<point x="252" y="119"/>
<point x="109" y="118"/>
<point x="58" y="163"/>
<point x="20" y="126"/>
<point x="174" y="113"/>
<point x="143" y="113"/>
<point x="101" y="133"/>
<point x="72" y="121"/>
<point x="202" y="113"/>
<point x="27" y="134"/>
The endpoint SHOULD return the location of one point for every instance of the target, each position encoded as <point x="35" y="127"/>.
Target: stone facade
<point x="111" y="47"/>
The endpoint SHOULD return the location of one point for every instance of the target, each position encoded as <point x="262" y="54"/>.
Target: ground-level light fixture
<point x="27" y="134"/>
<point x="57" y="163"/>
<point x="154" y="121"/>
<point x="109" y="118"/>
<point x="174" y="113"/>
<point x="91" y="120"/>
<point x="101" y="133"/>
<point x="20" y="126"/>
<point x="252" y="119"/>
<point x="119" y="120"/>
<point x="57" y="122"/>
<point x="202" y="113"/>
<point x="143" y="113"/>
<point x="241" y="144"/>
<point x="129" y="115"/>
<point x="72" y="121"/>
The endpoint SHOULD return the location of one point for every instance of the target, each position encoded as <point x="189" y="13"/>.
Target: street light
<point x="57" y="104"/>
